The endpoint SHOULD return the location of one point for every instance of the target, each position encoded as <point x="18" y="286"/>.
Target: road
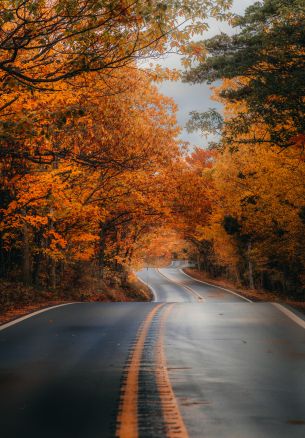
<point x="198" y="362"/>
<point x="172" y="285"/>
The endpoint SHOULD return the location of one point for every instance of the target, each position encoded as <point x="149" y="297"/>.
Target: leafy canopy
<point x="266" y="59"/>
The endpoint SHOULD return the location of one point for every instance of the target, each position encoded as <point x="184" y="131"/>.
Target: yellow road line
<point x="189" y="289"/>
<point x="128" y="409"/>
<point x="174" y="424"/>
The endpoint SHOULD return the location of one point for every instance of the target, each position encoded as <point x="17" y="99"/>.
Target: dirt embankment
<point x="251" y="294"/>
<point x="16" y="300"/>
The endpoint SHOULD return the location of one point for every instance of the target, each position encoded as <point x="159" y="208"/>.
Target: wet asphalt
<point x="237" y="368"/>
<point x="61" y="371"/>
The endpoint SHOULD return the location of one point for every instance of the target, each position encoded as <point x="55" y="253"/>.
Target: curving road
<point x="173" y="285"/>
<point x="199" y="362"/>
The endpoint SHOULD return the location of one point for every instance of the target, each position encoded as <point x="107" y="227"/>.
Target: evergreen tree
<point x="266" y="58"/>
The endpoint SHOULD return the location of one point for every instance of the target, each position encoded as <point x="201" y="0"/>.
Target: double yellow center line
<point x="195" y="294"/>
<point x="127" y="421"/>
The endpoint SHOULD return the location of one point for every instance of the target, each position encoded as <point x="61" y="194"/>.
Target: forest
<point x="255" y="234"/>
<point x="95" y="182"/>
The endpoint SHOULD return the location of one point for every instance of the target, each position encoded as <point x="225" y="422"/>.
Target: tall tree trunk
<point x="61" y="272"/>
<point x="198" y="261"/>
<point x="101" y="251"/>
<point x="53" y="274"/>
<point x="250" y="266"/>
<point x="37" y="258"/>
<point x="36" y="270"/>
<point x="51" y="261"/>
<point x="237" y="276"/>
<point x="2" y="260"/>
<point x="26" y="263"/>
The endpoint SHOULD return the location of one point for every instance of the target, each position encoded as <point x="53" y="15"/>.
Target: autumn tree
<point x="98" y="182"/>
<point x="260" y="211"/>
<point x="45" y="46"/>
<point x="44" y="42"/>
<point x="254" y="235"/>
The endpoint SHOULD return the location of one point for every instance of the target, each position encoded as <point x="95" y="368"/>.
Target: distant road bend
<point x="200" y="361"/>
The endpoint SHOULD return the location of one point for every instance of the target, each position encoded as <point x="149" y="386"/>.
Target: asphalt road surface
<point x="199" y="362"/>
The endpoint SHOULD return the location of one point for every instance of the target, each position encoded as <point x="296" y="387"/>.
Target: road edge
<point x="151" y="288"/>
<point x="29" y="315"/>
<point x="290" y="314"/>
<point x="214" y="285"/>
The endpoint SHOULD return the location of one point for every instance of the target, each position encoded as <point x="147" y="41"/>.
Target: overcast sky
<point x="196" y="97"/>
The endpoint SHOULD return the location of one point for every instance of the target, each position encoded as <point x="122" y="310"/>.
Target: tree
<point x="89" y="153"/>
<point x="261" y="197"/>
<point x="99" y="181"/>
<point x="266" y="60"/>
<point x="72" y="37"/>
<point x="255" y="232"/>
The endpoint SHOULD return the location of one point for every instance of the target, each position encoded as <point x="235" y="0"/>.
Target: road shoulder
<point x="253" y="295"/>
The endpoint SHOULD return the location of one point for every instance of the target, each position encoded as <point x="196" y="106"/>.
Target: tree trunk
<point x="101" y="252"/>
<point x="198" y="261"/>
<point x="53" y="275"/>
<point x="37" y="259"/>
<point x="237" y="276"/>
<point x="26" y="264"/>
<point x="2" y="260"/>
<point x="251" y="280"/>
<point x="61" y="272"/>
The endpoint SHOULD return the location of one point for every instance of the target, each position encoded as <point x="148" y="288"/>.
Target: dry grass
<point x="16" y="300"/>
<point x="254" y="295"/>
<point x="14" y="313"/>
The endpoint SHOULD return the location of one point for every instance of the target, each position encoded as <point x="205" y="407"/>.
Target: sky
<point x="196" y="97"/>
